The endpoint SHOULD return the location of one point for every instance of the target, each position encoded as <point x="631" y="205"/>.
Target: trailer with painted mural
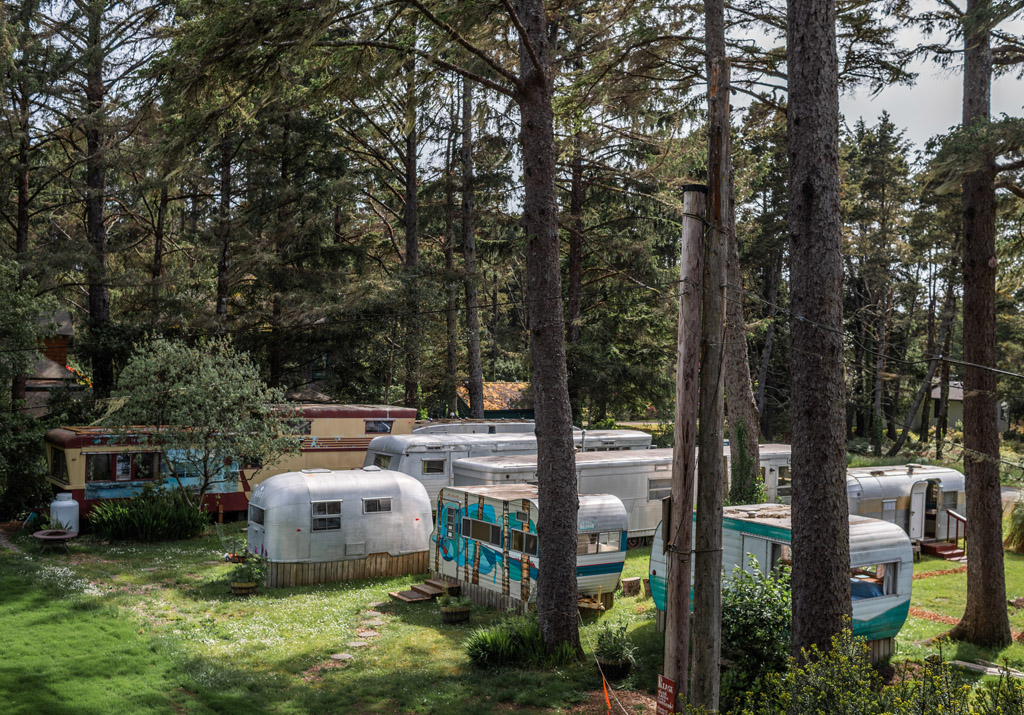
<point x="485" y="538"/>
<point x="321" y="525"/>
<point x="429" y="457"/>
<point x="881" y="566"/>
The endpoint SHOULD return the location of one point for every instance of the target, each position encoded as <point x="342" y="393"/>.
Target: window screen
<point x="949" y="500"/>
<point x="98" y="467"/>
<point x="889" y="510"/>
<point x="382" y="460"/>
<point x="481" y="531"/>
<point x="256" y="514"/>
<point x="326" y="515"/>
<point x="378" y="426"/>
<point x="524" y="542"/>
<point x="606" y="541"/>
<point x="658" y="489"/>
<point x="373" y="506"/>
<point x="433" y="466"/>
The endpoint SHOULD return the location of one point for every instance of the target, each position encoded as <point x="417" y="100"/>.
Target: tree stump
<point x="631" y="587"/>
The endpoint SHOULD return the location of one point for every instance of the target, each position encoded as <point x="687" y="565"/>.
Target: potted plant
<point x="614" y="651"/>
<point x="454" y="609"/>
<point x="248" y="575"/>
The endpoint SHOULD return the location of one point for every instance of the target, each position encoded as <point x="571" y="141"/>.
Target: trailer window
<point x="382" y="460"/>
<point x="433" y="466"/>
<point x="98" y="467"/>
<point x="302" y="426"/>
<point x="123" y="467"/>
<point x="605" y="542"/>
<point x="658" y="489"/>
<point x="326" y="515"/>
<point x="949" y="500"/>
<point x="481" y="531"/>
<point x="147" y="465"/>
<point x="256" y="514"/>
<point x="889" y="510"/>
<point x="374" y="506"/>
<point x="782" y="555"/>
<point x="378" y="426"/>
<point x="872" y="581"/>
<point x="58" y="465"/>
<point x="785" y="489"/>
<point x="524" y="542"/>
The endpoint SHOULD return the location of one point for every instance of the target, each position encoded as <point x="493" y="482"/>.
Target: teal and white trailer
<point x="881" y="565"/>
<point x="486" y="539"/>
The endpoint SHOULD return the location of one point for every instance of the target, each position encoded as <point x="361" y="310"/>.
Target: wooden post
<point x="676" y="532"/>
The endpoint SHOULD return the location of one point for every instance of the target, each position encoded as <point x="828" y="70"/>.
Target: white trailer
<point x="320" y="525"/>
<point x="486" y="539"/>
<point x="429" y="457"/>
<point x="881" y="565"/>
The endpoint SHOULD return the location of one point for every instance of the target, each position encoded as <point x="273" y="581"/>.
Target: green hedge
<point x="156" y="514"/>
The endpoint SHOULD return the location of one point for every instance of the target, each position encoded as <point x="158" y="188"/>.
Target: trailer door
<point x="916" y="526"/>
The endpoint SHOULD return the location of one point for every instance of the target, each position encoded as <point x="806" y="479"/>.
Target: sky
<point x="933" y="104"/>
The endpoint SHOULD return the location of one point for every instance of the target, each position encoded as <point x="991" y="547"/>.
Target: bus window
<point x="98" y="467"/>
<point x="147" y="465"/>
<point x="58" y="466"/>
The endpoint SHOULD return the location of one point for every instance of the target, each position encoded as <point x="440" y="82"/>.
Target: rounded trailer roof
<point x="889" y="479"/>
<point x="528" y="462"/>
<point x="326" y="484"/>
<point x="873" y="541"/>
<point x="601" y="512"/>
<point x="402" y="443"/>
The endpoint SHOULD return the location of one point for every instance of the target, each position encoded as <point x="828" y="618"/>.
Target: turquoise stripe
<point x="598" y="569"/>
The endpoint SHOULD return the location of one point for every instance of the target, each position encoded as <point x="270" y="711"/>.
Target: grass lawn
<point x="154" y="629"/>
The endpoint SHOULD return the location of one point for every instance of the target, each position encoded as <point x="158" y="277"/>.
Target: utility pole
<point x="676" y="531"/>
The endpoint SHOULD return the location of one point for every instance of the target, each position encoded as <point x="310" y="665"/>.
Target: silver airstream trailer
<point x="319" y="525"/>
<point x="486" y="539"/>
<point x="924" y="501"/>
<point x="639" y="478"/>
<point x="477" y="427"/>
<point x="429" y="457"/>
<point x="881" y="566"/>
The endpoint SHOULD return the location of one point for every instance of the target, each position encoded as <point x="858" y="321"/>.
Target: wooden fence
<point x="381" y="565"/>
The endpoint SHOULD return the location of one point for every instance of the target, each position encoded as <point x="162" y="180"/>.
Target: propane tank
<point x="64" y="511"/>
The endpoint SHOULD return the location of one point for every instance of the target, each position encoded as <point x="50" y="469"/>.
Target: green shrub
<point x="252" y="570"/>
<point x="757" y="622"/>
<point x="156" y="514"/>
<point x="515" y="642"/>
<point x="1014" y="540"/>
<point x="613" y="645"/>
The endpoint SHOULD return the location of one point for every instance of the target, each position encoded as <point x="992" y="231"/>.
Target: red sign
<point x="666" y="695"/>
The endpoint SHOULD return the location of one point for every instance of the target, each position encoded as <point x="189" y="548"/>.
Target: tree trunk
<point x="451" y="315"/>
<point x="926" y="384"/>
<point x="707" y="593"/>
<point x="19" y="383"/>
<point x="985" y="621"/>
<point x="877" y="417"/>
<point x="95" y="200"/>
<point x="775" y="278"/>
<point x="476" y="369"/>
<point x="158" y="250"/>
<point x="941" y="418"/>
<point x="224" y="234"/>
<point x="556" y="472"/>
<point x="744" y="419"/>
<point x="821" y="546"/>
<point x="677" y="535"/>
<point x="575" y="289"/>
<point x="411" y="347"/>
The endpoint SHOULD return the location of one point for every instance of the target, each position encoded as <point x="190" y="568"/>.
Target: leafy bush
<point x="757" y="620"/>
<point x="156" y="514"/>
<point x="613" y="645"/>
<point x="515" y="642"/>
<point x="252" y="570"/>
<point x="1015" y="532"/>
<point x="449" y="601"/>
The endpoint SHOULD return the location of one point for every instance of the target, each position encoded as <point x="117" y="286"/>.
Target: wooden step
<point x="451" y="585"/>
<point x="428" y="590"/>
<point x="408" y="596"/>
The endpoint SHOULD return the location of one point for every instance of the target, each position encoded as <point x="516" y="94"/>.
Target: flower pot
<point x="455" y="614"/>
<point x="243" y="588"/>
<point x="237" y="558"/>
<point x="614" y="669"/>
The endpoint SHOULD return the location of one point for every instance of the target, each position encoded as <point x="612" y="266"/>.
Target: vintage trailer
<point x="881" y="565"/>
<point x="775" y="466"/>
<point x="639" y="478"/>
<point x="918" y="499"/>
<point x="476" y="427"/>
<point x="322" y="525"/>
<point x="95" y="463"/>
<point x="486" y="539"/>
<point x="429" y="457"/>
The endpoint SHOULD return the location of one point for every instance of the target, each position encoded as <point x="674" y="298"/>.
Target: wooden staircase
<point x="427" y="591"/>
<point x="943" y="549"/>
